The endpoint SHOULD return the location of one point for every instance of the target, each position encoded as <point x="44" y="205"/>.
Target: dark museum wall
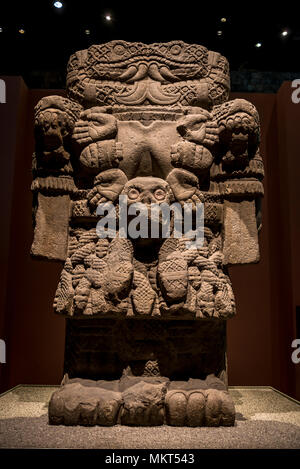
<point x="259" y="338"/>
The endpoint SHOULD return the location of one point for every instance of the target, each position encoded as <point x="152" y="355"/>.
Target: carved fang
<point x="140" y="74"/>
<point x="154" y="73"/>
<point x="129" y="73"/>
<point x="166" y="73"/>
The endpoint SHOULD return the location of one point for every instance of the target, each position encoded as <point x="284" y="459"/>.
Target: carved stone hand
<point x="94" y="124"/>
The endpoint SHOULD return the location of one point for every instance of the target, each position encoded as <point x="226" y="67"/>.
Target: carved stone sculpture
<point x="146" y="318"/>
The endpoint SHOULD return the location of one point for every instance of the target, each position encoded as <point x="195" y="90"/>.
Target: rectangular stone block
<point x="51" y="229"/>
<point x="240" y="232"/>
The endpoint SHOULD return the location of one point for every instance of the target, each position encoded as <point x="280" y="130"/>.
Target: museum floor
<point x="265" y="419"/>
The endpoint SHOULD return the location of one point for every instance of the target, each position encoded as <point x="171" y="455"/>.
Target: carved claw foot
<point x="199" y="408"/>
<point x="142" y="401"/>
<point x="144" y="404"/>
<point x="86" y="402"/>
<point x="76" y="404"/>
<point x="198" y="403"/>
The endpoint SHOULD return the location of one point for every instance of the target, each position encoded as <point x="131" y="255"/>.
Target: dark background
<point x="267" y="294"/>
<point x="51" y="35"/>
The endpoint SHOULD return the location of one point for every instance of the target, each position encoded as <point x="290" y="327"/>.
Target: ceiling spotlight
<point x="22" y="31"/>
<point x="219" y="33"/>
<point x="87" y="32"/>
<point x="1" y="30"/>
<point x="58" y="4"/>
<point x="284" y="33"/>
<point x="258" y="44"/>
<point x="108" y="17"/>
<point x="223" y="20"/>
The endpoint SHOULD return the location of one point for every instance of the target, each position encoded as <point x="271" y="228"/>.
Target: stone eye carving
<point x="133" y="194"/>
<point x="175" y="50"/>
<point x="147" y="190"/>
<point x="119" y="49"/>
<point x="160" y="194"/>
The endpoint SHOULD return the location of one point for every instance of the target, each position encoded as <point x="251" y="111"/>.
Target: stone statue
<point x="146" y="317"/>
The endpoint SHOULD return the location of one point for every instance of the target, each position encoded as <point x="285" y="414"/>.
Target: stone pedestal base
<point x="142" y="401"/>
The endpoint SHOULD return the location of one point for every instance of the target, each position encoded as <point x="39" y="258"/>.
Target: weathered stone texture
<point x="75" y="404"/>
<point x="141" y="401"/>
<point x="151" y="124"/>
